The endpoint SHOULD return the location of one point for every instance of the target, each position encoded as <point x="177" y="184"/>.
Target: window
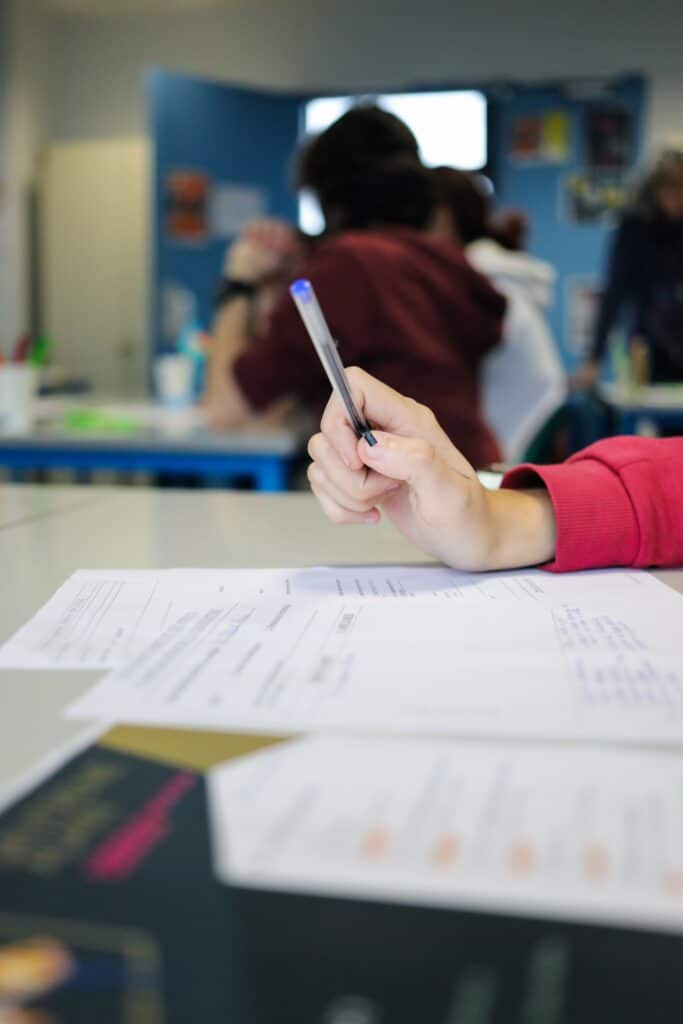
<point x="429" y="115"/>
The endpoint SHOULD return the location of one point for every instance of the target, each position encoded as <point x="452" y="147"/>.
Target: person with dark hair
<point x="399" y="302"/>
<point x="365" y="170"/>
<point x="523" y="380"/>
<point x="644" y="279"/>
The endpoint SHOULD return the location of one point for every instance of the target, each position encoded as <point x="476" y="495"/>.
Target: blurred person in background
<point x="399" y="303"/>
<point x="644" y="278"/>
<point x="523" y="380"/>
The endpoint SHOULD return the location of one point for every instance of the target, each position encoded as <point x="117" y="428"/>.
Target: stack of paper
<point x="428" y="653"/>
<point x="401" y="650"/>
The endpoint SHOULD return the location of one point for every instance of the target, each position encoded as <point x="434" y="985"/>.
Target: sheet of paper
<point x="594" y="835"/>
<point x="99" y="619"/>
<point x="597" y="656"/>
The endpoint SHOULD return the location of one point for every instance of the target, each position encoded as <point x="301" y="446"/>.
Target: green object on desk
<point x="40" y="351"/>
<point x="95" y="421"/>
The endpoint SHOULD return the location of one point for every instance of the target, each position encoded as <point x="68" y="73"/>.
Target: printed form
<point x="100" y="619"/>
<point x="590" y="835"/>
<point x="595" y="655"/>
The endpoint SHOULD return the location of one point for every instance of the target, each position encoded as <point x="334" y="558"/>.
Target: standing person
<point x="399" y="303"/>
<point x="523" y="379"/>
<point x="644" y="280"/>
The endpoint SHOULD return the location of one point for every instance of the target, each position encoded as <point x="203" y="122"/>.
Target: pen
<point x="325" y="345"/>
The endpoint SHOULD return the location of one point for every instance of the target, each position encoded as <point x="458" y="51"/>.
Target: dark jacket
<point x="645" y="286"/>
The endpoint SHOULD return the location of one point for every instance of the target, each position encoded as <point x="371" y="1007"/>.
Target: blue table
<point x="161" y="445"/>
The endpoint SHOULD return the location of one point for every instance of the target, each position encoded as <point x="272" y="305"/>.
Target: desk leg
<point x="272" y="474"/>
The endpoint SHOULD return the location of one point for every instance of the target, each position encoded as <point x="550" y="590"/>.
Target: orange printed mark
<point x="672" y="882"/>
<point x="446" y="851"/>
<point x="595" y="863"/>
<point x="376" y="844"/>
<point x="522" y="858"/>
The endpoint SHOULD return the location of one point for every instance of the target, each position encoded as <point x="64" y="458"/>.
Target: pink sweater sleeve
<point x="618" y="502"/>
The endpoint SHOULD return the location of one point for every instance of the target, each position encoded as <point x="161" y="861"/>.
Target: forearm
<point x="522" y="528"/>
<point x="226" y="406"/>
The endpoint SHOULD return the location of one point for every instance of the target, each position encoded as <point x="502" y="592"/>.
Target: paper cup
<point x="17" y="392"/>
<point x="173" y="378"/>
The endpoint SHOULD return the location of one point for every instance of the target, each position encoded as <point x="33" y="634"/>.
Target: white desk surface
<point x="156" y="428"/>
<point x="139" y="529"/>
<point x="19" y="504"/>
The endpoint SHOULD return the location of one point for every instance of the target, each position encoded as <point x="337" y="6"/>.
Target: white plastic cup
<point x="174" y="378"/>
<point x="17" y="392"/>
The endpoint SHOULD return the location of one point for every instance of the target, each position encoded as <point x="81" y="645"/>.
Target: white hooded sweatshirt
<point x="523" y="379"/>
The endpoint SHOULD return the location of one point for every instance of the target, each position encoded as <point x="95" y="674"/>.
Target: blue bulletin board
<point x="221" y="157"/>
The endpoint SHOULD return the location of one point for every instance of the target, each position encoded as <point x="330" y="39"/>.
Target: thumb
<point x="409" y="459"/>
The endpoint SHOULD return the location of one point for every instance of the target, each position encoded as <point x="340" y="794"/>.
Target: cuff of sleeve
<point x="596" y="522"/>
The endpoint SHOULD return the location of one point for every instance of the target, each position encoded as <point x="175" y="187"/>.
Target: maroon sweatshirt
<point x="407" y="308"/>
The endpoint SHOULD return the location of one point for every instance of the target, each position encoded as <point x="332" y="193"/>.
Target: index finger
<point x="381" y="407"/>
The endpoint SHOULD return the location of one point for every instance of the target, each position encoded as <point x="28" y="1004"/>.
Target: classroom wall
<point x="4" y="84"/>
<point x="23" y="106"/>
<point x="96" y="62"/>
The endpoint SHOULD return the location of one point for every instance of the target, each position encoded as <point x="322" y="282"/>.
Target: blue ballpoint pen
<point x="316" y="325"/>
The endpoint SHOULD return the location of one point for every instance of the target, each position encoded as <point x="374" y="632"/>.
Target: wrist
<point x="522" y="528"/>
<point x="232" y="288"/>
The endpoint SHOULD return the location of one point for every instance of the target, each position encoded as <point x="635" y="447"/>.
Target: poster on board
<point x="592" y="197"/>
<point x="199" y="210"/>
<point x="232" y="206"/>
<point x="540" y="138"/>
<point x="186" y="202"/>
<point x="607" y="137"/>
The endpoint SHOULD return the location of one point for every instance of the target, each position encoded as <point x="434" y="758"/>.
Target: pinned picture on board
<point x="186" y="206"/>
<point x="607" y="137"/>
<point x="592" y="197"/>
<point x="540" y="138"/>
<point x="232" y="206"/>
